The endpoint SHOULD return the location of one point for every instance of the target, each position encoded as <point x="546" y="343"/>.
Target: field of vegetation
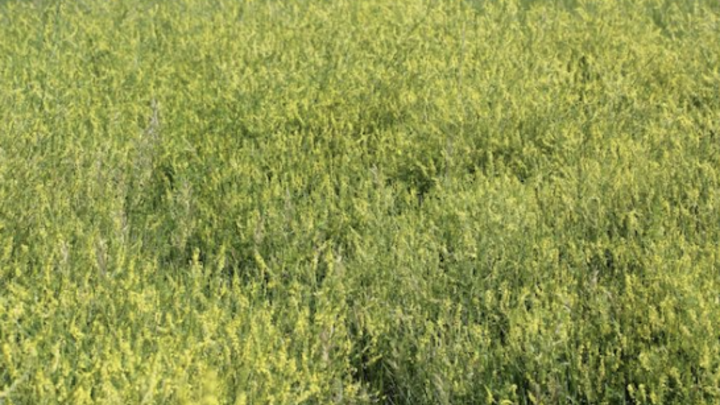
<point x="360" y="201"/>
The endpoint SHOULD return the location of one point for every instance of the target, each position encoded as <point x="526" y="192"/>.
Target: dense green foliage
<point x="403" y="202"/>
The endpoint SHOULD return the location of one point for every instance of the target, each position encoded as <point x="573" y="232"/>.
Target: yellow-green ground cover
<point x="371" y="201"/>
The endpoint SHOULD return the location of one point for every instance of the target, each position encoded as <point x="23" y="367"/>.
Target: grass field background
<point x="406" y="202"/>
